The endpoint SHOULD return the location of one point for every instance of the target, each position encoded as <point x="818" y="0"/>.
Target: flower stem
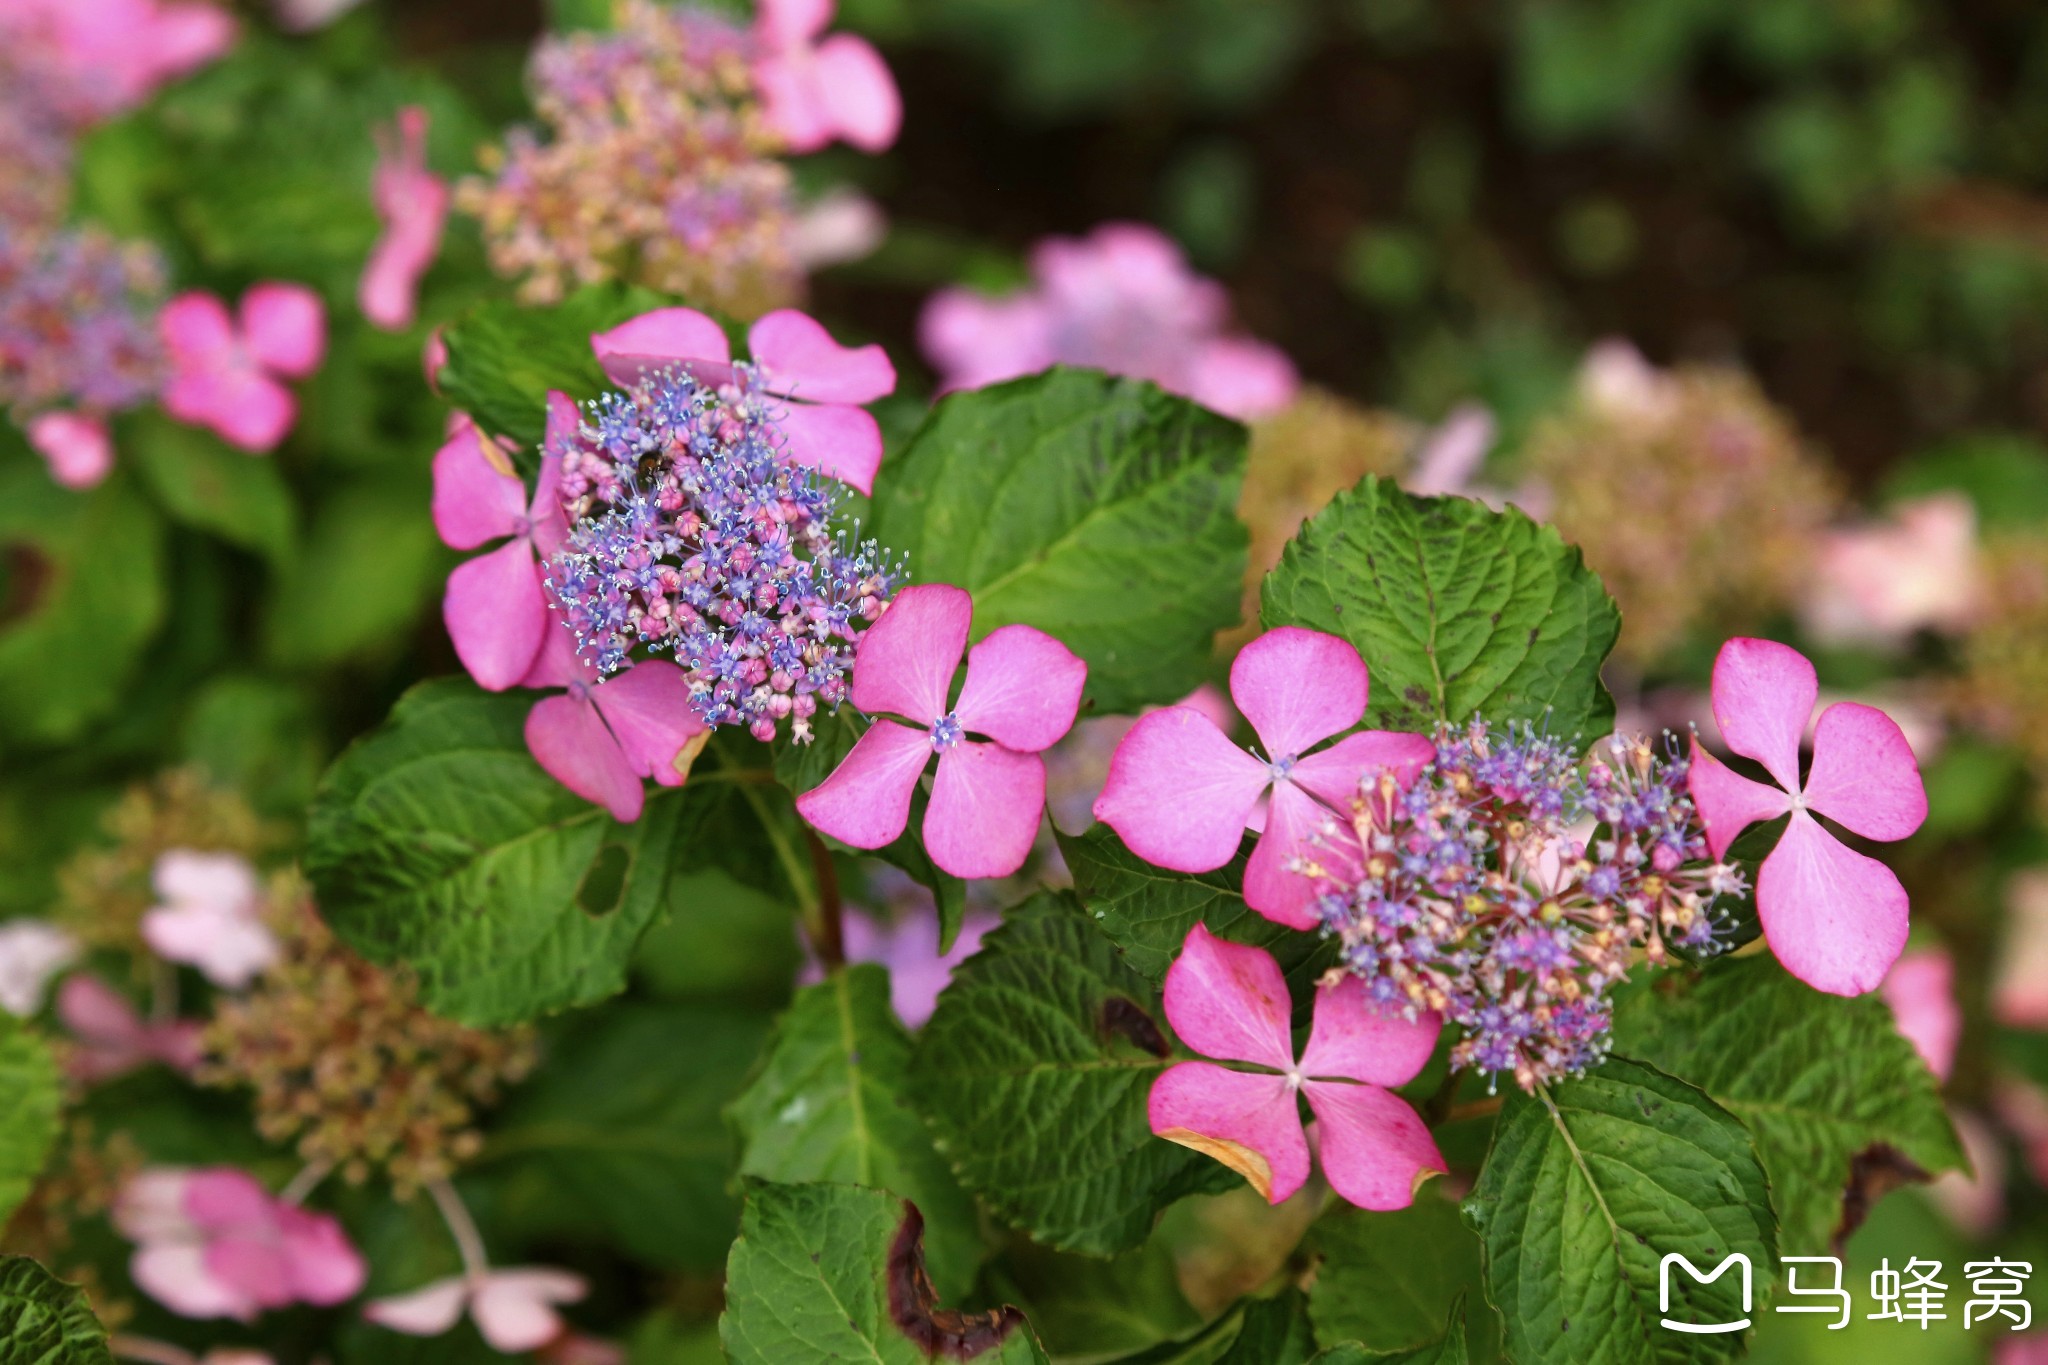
<point x="305" y="1182"/>
<point x="468" y="1241"/>
<point x="149" y="1351"/>
<point x="826" y="929"/>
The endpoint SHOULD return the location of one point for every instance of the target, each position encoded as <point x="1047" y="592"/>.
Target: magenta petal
<point x="198" y="332"/>
<point x="648" y="709"/>
<point x="1333" y="775"/>
<point x="1763" y="694"/>
<point x="1272" y="885"/>
<point x="986" y="803"/>
<point x="1248" y="1122"/>
<point x="1835" y="918"/>
<point x="555" y="663"/>
<point x="496" y="614"/>
<point x="1864" y="774"/>
<point x="324" y="1268"/>
<point x="567" y="738"/>
<point x="858" y="92"/>
<point x="78" y="448"/>
<point x="666" y="334"/>
<point x="792" y="23"/>
<point x="904" y="663"/>
<point x="1228" y="1001"/>
<point x="175" y="1275"/>
<point x="285" y="328"/>
<point x="1242" y="378"/>
<point x="253" y="1265"/>
<point x="1023" y="689"/>
<point x="1728" y="802"/>
<point x="474" y="500"/>
<point x="1376" y="1151"/>
<point x="1297" y="687"/>
<point x="550" y="524"/>
<point x="1178" y="792"/>
<point x="801" y="360"/>
<point x="866" y="800"/>
<point x="840" y="442"/>
<point x="259" y="417"/>
<point x="1357" y="1039"/>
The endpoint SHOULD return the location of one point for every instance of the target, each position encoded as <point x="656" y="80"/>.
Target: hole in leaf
<point x="914" y="1305"/>
<point x="604" y="882"/>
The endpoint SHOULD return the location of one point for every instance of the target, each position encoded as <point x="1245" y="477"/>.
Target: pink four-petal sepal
<point x="227" y="372"/>
<point x="1229" y="1001"/>
<point x="1023" y="690"/>
<point x="1836" y="918"/>
<point x="602" y="738"/>
<point x="495" y="607"/>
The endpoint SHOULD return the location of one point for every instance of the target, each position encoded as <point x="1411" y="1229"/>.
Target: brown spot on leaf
<point x="25" y="574"/>
<point x="1123" y="1018"/>
<point x="1874" y="1172"/>
<point x="1238" y="1157"/>
<point x="941" y="1333"/>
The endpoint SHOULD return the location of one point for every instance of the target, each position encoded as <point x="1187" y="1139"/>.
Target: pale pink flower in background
<point x="2029" y="1348"/>
<point x="815" y="93"/>
<point x="1181" y="795"/>
<point x="32" y="953"/>
<point x="304" y="16"/>
<point x="1835" y="918"/>
<point x="1450" y="457"/>
<point x="211" y="917"/>
<point x="213" y="1243"/>
<point x="1917" y="569"/>
<point x="1022" y="691"/>
<point x="433" y="356"/>
<point x="413" y="203"/>
<point x="513" y="1308"/>
<point x="1229" y="1001"/>
<point x="1974" y="1203"/>
<point x="1920" y="988"/>
<point x="839" y="226"/>
<point x="794" y="358"/>
<point x="1122" y="299"/>
<point x="1616" y="380"/>
<point x="2019" y="993"/>
<point x="110" y="1038"/>
<point x="908" y="945"/>
<point x="573" y="1348"/>
<point x="226" y="372"/>
<point x="601" y="738"/>
<point x="104" y="57"/>
<point x="78" y="448"/>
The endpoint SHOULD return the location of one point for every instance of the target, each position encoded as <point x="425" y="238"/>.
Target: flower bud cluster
<point x="1512" y="885"/>
<point x="77" y="320"/>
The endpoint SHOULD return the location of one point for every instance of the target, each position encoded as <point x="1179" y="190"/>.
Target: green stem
<point x="826" y="923"/>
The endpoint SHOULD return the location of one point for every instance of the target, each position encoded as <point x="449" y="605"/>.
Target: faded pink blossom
<point x="304" y="16"/>
<point x="1617" y="381"/>
<point x="213" y="1243"/>
<point x="1450" y="458"/>
<point x="2019" y="993"/>
<point x="1229" y="1001"/>
<point x="1123" y="300"/>
<point x="513" y="1308"/>
<point x="226" y="372"/>
<point x="99" y="58"/>
<point x="1022" y="691"/>
<point x="822" y="423"/>
<point x="815" y="93"/>
<point x="413" y="203"/>
<point x="1975" y="1202"/>
<point x="32" y="953"/>
<point x="1916" y="570"/>
<point x="841" y="225"/>
<point x="77" y="447"/>
<point x="1920" y="988"/>
<point x="1181" y="795"/>
<point x="1835" y="918"/>
<point x="211" y="917"/>
<point x="908" y="945"/>
<point x="109" y="1038"/>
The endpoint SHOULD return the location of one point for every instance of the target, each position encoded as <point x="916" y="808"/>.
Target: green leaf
<point x="438" y="842"/>
<point x="368" y="569"/>
<point x="1447" y="1348"/>
<point x="828" y="1104"/>
<point x="1458" y="610"/>
<point x="834" y="1272"/>
<point x="44" y="1321"/>
<point x="626" y="1120"/>
<point x="2005" y="475"/>
<point x="1034" y="1072"/>
<point x="1589" y="1184"/>
<point x="1388" y="1280"/>
<point x="29" y="1101"/>
<point x="204" y="484"/>
<point x="1099" y="510"/>
<point x="503" y="357"/>
<point x="1086" y="1306"/>
<point x="1817" y="1078"/>
<point x="1252" y="1331"/>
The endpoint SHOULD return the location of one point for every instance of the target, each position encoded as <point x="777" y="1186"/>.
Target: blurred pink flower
<point x="226" y="376"/>
<point x="213" y="1243"/>
<point x="304" y="16"/>
<point x="816" y="92"/>
<point x="1616" y="380"/>
<point x="2019" y="994"/>
<point x="513" y="1308"/>
<point x="1878" y="583"/>
<point x="111" y="1039"/>
<point x="103" y="57"/>
<point x="841" y="225"/>
<point x="211" y="917"/>
<point x="908" y="945"/>
<point x="413" y="203"/>
<point x="1123" y="300"/>
<point x="1920" y="988"/>
<point x="79" y="450"/>
<point x="1974" y="1203"/>
<point x="32" y="952"/>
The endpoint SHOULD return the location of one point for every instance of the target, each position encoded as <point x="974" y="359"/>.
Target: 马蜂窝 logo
<point x="1734" y="1258"/>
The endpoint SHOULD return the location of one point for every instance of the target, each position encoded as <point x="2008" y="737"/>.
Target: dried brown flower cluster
<point x="2004" y="684"/>
<point x="78" y="1182"/>
<point x="1691" y="494"/>
<point x="346" y="1063"/>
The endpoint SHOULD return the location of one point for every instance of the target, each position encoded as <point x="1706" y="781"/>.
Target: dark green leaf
<point x="503" y="358"/>
<point x="368" y="569"/>
<point x="29" y="1101"/>
<point x="1457" y="609"/>
<point x="44" y="1321"/>
<point x="1099" y="510"/>
<point x="1389" y="1279"/>
<point x="1447" y="1348"/>
<point x="1086" y="1306"/>
<point x="201" y="482"/>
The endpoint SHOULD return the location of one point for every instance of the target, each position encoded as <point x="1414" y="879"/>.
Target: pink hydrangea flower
<point x="908" y="945"/>
<point x="496" y="607"/>
<point x="1229" y="1001"/>
<point x="108" y="56"/>
<point x="2019" y="993"/>
<point x="794" y="358"/>
<point x="211" y="917"/>
<point x="513" y="1308"/>
<point x="1181" y="795"/>
<point x="1835" y="918"/>
<point x="225" y="374"/>
<point x="815" y="92"/>
<point x="1920" y="988"/>
<point x="109" y="1038"/>
<point x="77" y="447"/>
<point x="1023" y="690"/>
<point x="599" y="739"/>
<point x="213" y="1243"/>
<point x="413" y="203"/>
<point x="1123" y="300"/>
<point x="1916" y="570"/>
<point x="32" y="952"/>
